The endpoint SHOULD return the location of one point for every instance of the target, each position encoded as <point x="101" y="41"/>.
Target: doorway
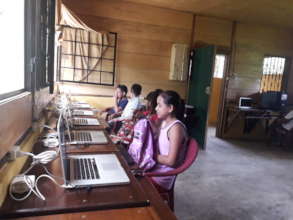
<point x="220" y="66"/>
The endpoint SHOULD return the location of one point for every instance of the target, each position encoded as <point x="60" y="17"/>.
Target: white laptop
<point x="82" y="136"/>
<point x="87" y="137"/>
<point x="83" y="112"/>
<point x="85" y="121"/>
<point x="245" y="103"/>
<point x="90" y="170"/>
<point x="80" y="105"/>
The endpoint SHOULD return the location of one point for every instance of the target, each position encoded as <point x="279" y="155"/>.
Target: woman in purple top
<point x="172" y="136"/>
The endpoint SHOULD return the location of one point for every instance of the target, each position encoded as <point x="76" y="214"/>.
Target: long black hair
<point x="152" y="99"/>
<point x="173" y="98"/>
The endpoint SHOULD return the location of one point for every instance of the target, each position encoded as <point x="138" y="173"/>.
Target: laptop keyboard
<point x="80" y="121"/>
<point x="77" y="112"/>
<point x="82" y="137"/>
<point x="84" y="168"/>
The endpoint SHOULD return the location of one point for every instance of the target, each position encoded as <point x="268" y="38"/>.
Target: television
<point x="273" y="100"/>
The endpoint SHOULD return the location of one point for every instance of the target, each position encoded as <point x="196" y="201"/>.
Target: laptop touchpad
<point x="109" y="166"/>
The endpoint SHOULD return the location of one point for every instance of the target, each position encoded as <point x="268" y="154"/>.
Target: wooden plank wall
<point x="145" y="37"/>
<point x="15" y="119"/>
<point x="146" y="33"/>
<point x="253" y="42"/>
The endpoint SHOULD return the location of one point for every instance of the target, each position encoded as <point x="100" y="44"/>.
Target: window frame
<point x="59" y="60"/>
<point x="19" y="91"/>
<point x="286" y="72"/>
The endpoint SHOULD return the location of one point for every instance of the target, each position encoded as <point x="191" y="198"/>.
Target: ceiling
<point x="271" y="12"/>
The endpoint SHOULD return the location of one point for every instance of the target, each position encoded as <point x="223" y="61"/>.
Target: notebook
<point x="85" y="121"/>
<point x="82" y="136"/>
<point x="245" y="103"/>
<point x="87" y="137"/>
<point x="80" y="105"/>
<point x="89" y="170"/>
<point x="83" y="112"/>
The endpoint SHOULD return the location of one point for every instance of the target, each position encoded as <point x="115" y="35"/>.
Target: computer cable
<point x="50" y="178"/>
<point x="21" y="184"/>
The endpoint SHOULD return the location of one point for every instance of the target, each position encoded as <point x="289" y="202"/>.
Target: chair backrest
<point x="191" y="154"/>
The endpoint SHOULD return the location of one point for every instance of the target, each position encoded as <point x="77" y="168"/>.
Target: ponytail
<point x="172" y="98"/>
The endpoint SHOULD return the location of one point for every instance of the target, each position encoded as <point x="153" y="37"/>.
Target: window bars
<point x="87" y="57"/>
<point x="273" y="72"/>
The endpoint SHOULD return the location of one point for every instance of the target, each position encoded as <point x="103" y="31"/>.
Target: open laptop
<point x="87" y="137"/>
<point x="82" y="136"/>
<point x="245" y="103"/>
<point x="80" y="105"/>
<point x="82" y="112"/>
<point x="89" y="170"/>
<point x="85" y="121"/>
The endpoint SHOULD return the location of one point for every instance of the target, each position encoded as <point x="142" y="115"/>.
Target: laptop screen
<point x="245" y="102"/>
<point x="62" y="148"/>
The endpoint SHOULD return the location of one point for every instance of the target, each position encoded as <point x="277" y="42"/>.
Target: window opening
<point x="272" y="75"/>
<point x="87" y="57"/>
<point x="219" y="66"/>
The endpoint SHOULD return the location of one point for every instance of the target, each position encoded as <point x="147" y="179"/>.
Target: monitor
<point x="271" y="100"/>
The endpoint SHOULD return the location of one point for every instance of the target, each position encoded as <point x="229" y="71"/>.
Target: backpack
<point x="142" y="148"/>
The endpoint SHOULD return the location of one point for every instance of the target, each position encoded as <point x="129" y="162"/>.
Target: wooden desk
<point x="234" y="112"/>
<point x="128" y="200"/>
<point x="144" y="213"/>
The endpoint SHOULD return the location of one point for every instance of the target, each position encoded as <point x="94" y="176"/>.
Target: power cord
<point x="21" y="184"/>
<point x="27" y="183"/>
<point x="42" y="158"/>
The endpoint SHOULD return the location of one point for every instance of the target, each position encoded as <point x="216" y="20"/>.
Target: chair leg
<point x="171" y="199"/>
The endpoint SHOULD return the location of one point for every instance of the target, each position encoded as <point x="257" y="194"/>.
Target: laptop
<point x="90" y="170"/>
<point x="82" y="136"/>
<point x="83" y="112"/>
<point x="80" y="105"/>
<point x="245" y="103"/>
<point x="87" y="137"/>
<point x="85" y="121"/>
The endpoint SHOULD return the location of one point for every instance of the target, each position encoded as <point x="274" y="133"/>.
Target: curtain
<point x="73" y="31"/>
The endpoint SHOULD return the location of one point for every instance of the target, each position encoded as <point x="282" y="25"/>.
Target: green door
<point x="199" y="89"/>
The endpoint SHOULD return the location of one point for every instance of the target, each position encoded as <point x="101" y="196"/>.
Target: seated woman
<point x="172" y="138"/>
<point x="125" y="133"/>
<point x="120" y="101"/>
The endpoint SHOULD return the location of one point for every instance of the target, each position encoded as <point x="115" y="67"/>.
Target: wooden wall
<point x="146" y="33"/>
<point x="145" y="37"/>
<point x="253" y="42"/>
<point x="15" y="119"/>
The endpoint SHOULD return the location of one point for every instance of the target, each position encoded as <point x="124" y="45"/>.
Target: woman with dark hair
<point x="125" y="133"/>
<point x="172" y="136"/>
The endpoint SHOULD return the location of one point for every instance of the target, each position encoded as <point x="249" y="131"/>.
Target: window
<point x="40" y="42"/>
<point x="12" y="47"/>
<point x="220" y="62"/>
<point x="26" y="57"/>
<point x="87" y="57"/>
<point x="272" y="73"/>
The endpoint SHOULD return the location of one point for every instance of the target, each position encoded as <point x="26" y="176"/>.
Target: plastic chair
<point x="168" y="195"/>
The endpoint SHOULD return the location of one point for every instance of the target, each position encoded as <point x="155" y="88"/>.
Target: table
<point x="109" y="202"/>
<point x="234" y="112"/>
